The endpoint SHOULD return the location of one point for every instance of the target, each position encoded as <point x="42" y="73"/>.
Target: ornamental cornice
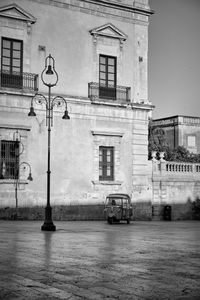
<point x="122" y="6"/>
<point x="14" y="11"/>
<point x="177" y="120"/>
<point x="110" y="31"/>
<point x="104" y="8"/>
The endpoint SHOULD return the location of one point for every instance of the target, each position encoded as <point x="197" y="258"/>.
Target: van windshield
<point x="115" y="201"/>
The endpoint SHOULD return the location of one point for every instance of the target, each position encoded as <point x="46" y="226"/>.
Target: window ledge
<point x="107" y="133"/>
<point x="15" y="91"/>
<point x="96" y="182"/>
<point x="12" y="181"/>
<point x="15" y="126"/>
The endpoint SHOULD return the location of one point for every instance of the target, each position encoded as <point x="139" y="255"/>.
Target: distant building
<point x="101" y="56"/>
<point x="181" y="131"/>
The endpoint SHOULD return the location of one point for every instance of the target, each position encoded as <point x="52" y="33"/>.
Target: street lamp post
<point x="49" y="78"/>
<point x="18" y="152"/>
<point x="30" y="178"/>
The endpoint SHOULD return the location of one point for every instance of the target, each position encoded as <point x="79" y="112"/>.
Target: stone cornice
<point x="129" y="105"/>
<point x="15" y="126"/>
<point x="177" y="120"/>
<point x="104" y="8"/>
<point x="124" y="7"/>
<point x="144" y="106"/>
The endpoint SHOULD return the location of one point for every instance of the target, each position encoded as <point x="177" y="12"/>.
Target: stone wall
<point x="174" y="184"/>
<point x="59" y="213"/>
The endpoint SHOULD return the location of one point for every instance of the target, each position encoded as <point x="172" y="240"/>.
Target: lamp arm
<point x="39" y="101"/>
<point x="58" y="101"/>
<point x="25" y="163"/>
<point x="30" y="178"/>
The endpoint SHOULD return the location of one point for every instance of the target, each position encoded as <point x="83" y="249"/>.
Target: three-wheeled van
<point x="118" y="208"/>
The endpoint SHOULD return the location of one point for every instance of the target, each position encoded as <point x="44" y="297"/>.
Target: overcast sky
<point x="174" y="57"/>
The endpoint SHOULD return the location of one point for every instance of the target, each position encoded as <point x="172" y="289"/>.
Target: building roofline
<point x="140" y="10"/>
<point x="176" y="116"/>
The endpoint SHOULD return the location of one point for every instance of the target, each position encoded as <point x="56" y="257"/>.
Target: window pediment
<point x="109" y="31"/>
<point x="14" y="11"/>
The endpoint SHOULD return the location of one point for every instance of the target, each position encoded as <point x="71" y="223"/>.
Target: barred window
<point x="9" y="159"/>
<point x="106" y="163"/>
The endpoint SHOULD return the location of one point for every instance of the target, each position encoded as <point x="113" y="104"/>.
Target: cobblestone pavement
<point x="94" y="260"/>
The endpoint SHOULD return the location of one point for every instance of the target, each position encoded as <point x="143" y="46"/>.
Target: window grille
<point x="9" y="159"/>
<point x="106" y="163"/>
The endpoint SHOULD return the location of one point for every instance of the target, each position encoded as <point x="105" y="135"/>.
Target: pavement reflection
<point x="94" y="260"/>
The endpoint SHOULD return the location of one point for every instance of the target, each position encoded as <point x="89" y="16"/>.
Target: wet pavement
<point x="94" y="260"/>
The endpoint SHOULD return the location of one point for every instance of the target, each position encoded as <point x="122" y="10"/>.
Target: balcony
<point x="23" y="81"/>
<point x="120" y="94"/>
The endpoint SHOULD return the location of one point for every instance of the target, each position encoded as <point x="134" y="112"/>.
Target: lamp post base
<point x="48" y="226"/>
<point x="48" y="223"/>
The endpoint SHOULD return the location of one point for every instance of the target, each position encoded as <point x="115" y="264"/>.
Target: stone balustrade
<point x="182" y="167"/>
<point x="173" y="167"/>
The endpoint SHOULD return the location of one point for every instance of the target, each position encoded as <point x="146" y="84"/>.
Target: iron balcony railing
<point x="24" y="81"/>
<point x="118" y="93"/>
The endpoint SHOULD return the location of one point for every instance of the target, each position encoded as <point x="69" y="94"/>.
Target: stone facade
<point x="181" y="131"/>
<point x="76" y="33"/>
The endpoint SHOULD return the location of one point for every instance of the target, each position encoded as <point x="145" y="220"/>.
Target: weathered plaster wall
<point x="74" y="178"/>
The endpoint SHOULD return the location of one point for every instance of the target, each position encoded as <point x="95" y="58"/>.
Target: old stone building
<point x="181" y="131"/>
<point x="101" y="55"/>
<point x="176" y="184"/>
